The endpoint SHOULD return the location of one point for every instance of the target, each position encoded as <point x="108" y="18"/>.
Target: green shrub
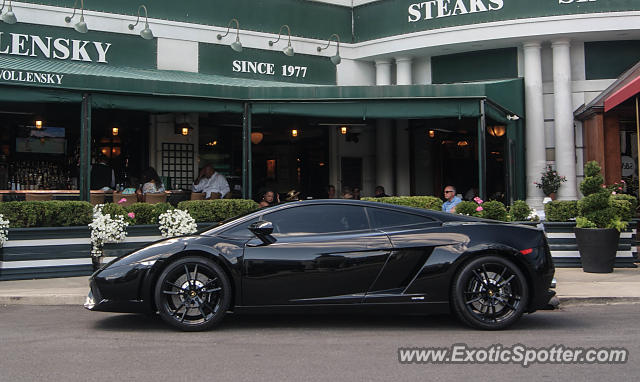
<point x="561" y="210"/>
<point x="494" y="210"/>
<point x="467" y="208"/>
<point x="55" y="213"/>
<point x="519" y="210"/>
<point x="114" y="209"/>
<point x="208" y="211"/>
<point x="147" y="213"/>
<point x="633" y="205"/>
<point x="426" y="202"/>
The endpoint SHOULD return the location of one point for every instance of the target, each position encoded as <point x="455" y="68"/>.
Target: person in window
<point x="379" y="192"/>
<point x="152" y="183"/>
<point x="331" y="191"/>
<point x="212" y="183"/>
<point x="269" y="199"/>
<point x="102" y="175"/>
<point x="346" y="193"/>
<point x="356" y="193"/>
<point x="451" y="200"/>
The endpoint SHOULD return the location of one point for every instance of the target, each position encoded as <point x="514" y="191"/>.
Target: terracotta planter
<point x="598" y="247"/>
<point x="552" y="196"/>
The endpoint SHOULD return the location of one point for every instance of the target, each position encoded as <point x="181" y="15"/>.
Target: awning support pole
<point x="638" y="138"/>
<point x="85" y="148"/>
<point x="246" y="151"/>
<point x="482" y="152"/>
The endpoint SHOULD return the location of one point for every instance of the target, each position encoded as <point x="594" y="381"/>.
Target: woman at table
<point x="152" y="183"/>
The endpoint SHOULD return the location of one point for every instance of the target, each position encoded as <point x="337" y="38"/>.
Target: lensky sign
<point x="18" y="44"/>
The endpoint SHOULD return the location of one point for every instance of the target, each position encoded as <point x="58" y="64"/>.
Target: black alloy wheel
<point x="193" y="294"/>
<point x="489" y="293"/>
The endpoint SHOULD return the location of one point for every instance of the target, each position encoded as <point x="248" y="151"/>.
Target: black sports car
<point x="335" y="256"/>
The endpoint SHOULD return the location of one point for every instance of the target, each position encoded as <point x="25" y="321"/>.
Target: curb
<point x="43" y="300"/>
<point x="574" y="301"/>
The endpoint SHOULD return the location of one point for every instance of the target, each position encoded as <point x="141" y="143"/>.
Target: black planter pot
<point x="598" y="247"/>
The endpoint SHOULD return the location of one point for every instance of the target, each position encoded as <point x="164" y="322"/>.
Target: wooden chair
<point x="130" y="198"/>
<point x="160" y="197"/>
<point x="228" y="195"/>
<point x="197" y="195"/>
<point x="96" y="198"/>
<point x="31" y="197"/>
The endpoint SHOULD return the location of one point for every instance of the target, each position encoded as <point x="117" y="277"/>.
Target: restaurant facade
<point x="283" y="94"/>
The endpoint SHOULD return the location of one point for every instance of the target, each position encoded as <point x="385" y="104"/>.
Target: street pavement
<point x="573" y="286"/>
<point x="69" y="343"/>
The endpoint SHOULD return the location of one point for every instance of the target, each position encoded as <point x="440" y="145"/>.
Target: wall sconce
<point x="80" y="26"/>
<point x="9" y="17"/>
<point x="115" y="131"/>
<point x="146" y="32"/>
<point x="236" y="45"/>
<point x="39" y="124"/>
<point x="256" y="137"/>
<point x="513" y="117"/>
<point x="334" y="59"/>
<point x="343" y="130"/>
<point x="432" y="133"/>
<point x="294" y="133"/>
<point x="288" y="50"/>
<point x="497" y="130"/>
<point x="463" y="143"/>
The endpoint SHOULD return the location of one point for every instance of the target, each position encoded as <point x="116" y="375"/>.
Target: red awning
<point x="624" y="93"/>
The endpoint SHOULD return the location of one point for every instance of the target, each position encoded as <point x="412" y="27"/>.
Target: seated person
<point x="152" y="183"/>
<point x="212" y="183"/>
<point x="451" y="200"/>
<point x="269" y="198"/>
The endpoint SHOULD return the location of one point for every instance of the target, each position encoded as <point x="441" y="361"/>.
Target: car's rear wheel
<point x="489" y="293"/>
<point x="193" y="294"/>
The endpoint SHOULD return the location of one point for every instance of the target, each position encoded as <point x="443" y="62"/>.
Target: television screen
<point x="46" y="140"/>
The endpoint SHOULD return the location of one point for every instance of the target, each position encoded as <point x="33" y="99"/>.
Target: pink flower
<point x="123" y="200"/>
<point x="131" y="215"/>
<point x="613" y="193"/>
<point x="479" y="209"/>
<point x="622" y="181"/>
<point x="619" y="188"/>
<point x="478" y="200"/>
<point x="603" y="186"/>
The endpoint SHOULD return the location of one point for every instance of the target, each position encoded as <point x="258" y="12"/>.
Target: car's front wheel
<point x="193" y="294"/>
<point x="489" y="293"/>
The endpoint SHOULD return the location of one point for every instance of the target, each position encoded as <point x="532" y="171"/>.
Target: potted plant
<point x="550" y="182"/>
<point x="601" y="217"/>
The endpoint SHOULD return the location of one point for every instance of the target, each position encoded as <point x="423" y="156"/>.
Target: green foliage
<point x="207" y="211"/>
<point x="56" y="213"/>
<point x="550" y="181"/>
<point x="114" y="209"/>
<point x="494" y="210"/>
<point x="467" y="208"/>
<point x="618" y="224"/>
<point x="426" y="202"/>
<point x="582" y="222"/>
<point x="519" y="210"/>
<point x="592" y="185"/>
<point x="592" y="168"/>
<point x="627" y="214"/>
<point x="561" y="210"/>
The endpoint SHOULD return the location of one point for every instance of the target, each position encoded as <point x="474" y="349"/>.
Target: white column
<point x="563" y="119"/>
<point x="403" y="178"/>
<point x="383" y="72"/>
<point x="422" y="71"/>
<point x="384" y="136"/>
<point x="403" y="71"/>
<point x="535" y="142"/>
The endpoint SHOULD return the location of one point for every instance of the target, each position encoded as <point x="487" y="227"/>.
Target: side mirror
<point x="263" y="229"/>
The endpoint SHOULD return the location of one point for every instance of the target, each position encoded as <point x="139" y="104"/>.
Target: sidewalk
<point x="574" y="287"/>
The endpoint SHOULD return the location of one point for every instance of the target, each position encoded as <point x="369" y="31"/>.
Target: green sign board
<point x="394" y="17"/>
<point x="266" y="65"/>
<point x="57" y="44"/>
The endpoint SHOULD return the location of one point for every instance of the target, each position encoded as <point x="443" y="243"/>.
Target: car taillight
<point x="526" y="251"/>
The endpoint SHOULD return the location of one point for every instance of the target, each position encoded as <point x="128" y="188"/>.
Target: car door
<point x="323" y="254"/>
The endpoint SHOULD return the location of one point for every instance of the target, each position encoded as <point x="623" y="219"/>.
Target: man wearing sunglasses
<point x="451" y="201"/>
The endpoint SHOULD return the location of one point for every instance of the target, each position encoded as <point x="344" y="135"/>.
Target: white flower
<point x="105" y="229"/>
<point x="4" y="230"/>
<point x="176" y="223"/>
<point x="533" y="215"/>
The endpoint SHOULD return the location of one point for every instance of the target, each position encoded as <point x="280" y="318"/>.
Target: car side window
<point x="317" y="219"/>
<point x="383" y="218"/>
<point x="240" y="231"/>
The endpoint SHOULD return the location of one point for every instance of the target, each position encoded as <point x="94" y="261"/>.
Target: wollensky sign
<point x="18" y="44"/>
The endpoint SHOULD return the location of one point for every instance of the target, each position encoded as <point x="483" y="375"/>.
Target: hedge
<point x="561" y="210"/>
<point x="56" y="213"/>
<point x="204" y="211"/>
<point x="62" y="213"/>
<point x="426" y="202"/>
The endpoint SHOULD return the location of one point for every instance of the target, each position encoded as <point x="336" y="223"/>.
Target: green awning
<point x="164" y="104"/>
